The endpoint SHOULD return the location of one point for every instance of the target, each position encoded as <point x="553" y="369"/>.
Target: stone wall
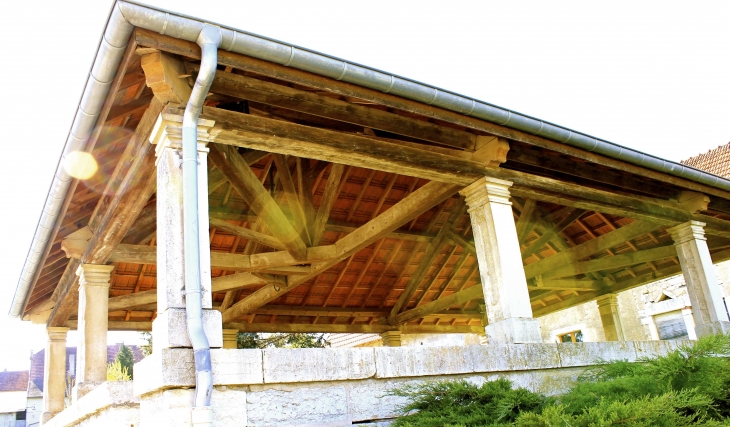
<point x="112" y="404"/>
<point x="338" y="387"/>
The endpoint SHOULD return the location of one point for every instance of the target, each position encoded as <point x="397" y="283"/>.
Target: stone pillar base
<point x="515" y="330"/>
<point x="714" y="328"/>
<point x="47" y="416"/>
<point x="82" y="389"/>
<point x="170" y="329"/>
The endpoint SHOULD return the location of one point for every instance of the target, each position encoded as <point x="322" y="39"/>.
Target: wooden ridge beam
<point x="466" y="295"/>
<point x="143" y="254"/>
<point x="303" y="78"/>
<point x="612" y="262"/>
<point x="256" y="90"/>
<point x="355" y="328"/>
<point x="125" y="302"/>
<point x="117" y="325"/>
<point x="589" y="248"/>
<point x="286" y="310"/>
<point x="329" y="197"/>
<point x="409" y="207"/>
<point x="242" y="178"/>
<point x="566" y="285"/>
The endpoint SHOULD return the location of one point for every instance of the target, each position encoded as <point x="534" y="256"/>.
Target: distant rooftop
<point x="715" y="161"/>
<point x="14" y="381"/>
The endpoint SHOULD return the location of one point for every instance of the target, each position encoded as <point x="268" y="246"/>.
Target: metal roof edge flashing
<point x="125" y="15"/>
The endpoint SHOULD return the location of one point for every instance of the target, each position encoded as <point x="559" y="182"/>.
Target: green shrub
<point x="116" y="372"/>
<point x="687" y="387"/>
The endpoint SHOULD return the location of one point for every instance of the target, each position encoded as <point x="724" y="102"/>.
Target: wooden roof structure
<point x="335" y="156"/>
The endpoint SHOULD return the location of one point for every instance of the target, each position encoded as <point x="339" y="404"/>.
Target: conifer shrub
<point x="688" y="387"/>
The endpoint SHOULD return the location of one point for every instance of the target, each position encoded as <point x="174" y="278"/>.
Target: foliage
<point x="116" y="372"/>
<point x="146" y="348"/>
<point x="687" y="387"/>
<point x="255" y="340"/>
<point x="126" y="359"/>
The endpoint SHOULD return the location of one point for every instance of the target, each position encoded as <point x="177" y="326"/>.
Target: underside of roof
<point x="564" y="196"/>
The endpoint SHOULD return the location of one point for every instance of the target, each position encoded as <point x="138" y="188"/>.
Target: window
<point x="575" y="336"/>
<point x="671" y="326"/>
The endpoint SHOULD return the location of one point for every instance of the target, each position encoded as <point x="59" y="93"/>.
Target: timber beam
<point x="355" y="328"/>
<point x="408" y="208"/>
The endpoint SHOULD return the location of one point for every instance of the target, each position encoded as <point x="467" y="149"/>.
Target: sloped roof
<point x="715" y="161"/>
<point x="13" y="380"/>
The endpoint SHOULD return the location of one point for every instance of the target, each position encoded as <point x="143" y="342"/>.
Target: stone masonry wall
<point x="339" y="387"/>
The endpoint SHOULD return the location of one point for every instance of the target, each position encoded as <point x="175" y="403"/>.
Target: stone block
<point x="651" y="349"/>
<point x="514" y="330"/>
<point x="96" y="404"/>
<point x="170" y="329"/>
<point x="311" y="364"/>
<point x="369" y="399"/>
<point x="392" y="362"/>
<point x="237" y="367"/>
<point x="512" y="357"/>
<point x="591" y="353"/>
<point x="301" y="405"/>
<point x="229" y="406"/>
<point x="81" y="389"/>
<point x="164" y="368"/>
<point x="167" y="408"/>
<point x="175" y="367"/>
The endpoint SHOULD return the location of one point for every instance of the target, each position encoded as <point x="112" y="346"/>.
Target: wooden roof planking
<point x="588" y="225"/>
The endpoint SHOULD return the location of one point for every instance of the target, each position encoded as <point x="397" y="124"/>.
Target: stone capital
<point x="688" y="231"/>
<point x="57" y="333"/>
<point x="607" y="300"/>
<point x="167" y="132"/>
<point x="487" y="190"/>
<point x="94" y="274"/>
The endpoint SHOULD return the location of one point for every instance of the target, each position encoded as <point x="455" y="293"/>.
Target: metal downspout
<point x="209" y="40"/>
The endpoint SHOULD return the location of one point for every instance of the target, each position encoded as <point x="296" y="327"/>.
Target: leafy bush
<point x="116" y="372"/>
<point x="687" y="387"/>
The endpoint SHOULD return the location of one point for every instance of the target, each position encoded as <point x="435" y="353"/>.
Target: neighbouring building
<point x="13" y="400"/>
<point x="216" y="182"/>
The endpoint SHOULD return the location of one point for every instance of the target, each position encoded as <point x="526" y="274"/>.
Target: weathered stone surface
<point x="309" y="364"/>
<point x="392" y="362"/>
<point x="81" y="389"/>
<point x="369" y="399"/>
<point x="714" y="328"/>
<point x="229" y="407"/>
<point x="591" y="353"/>
<point x="299" y="404"/>
<point x="656" y="348"/>
<point x="167" y="408"/>
<point x="242" y="367"/>
<point x="110" y="404"/>
<point x="170" y="330"/>
<point x="175" y="367"/>
<point x="514" y="357"/>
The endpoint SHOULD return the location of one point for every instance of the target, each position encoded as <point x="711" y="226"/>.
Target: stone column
<point x="608" y="309"/>
<point x="169" y="328"/>
<point x="391" y="338"/>
<point x="54" y="375"/>
<point x="91" y="354"/>
<point x="230" y="338"/>
<point x="699" y="274"/>
<point x="507" y="301"/>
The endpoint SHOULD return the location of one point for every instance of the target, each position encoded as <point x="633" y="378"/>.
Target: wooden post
<point x="504" y="284"/>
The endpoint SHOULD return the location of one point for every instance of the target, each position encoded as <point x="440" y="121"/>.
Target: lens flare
<point x="80" y="165"/>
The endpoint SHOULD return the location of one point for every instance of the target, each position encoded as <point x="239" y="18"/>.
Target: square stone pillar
<point x="391" y="338"/>
<point x="169" y="328"/>
<point x="608" y="309"/>
<point x="230" y="338"/>
<point x="699" y="274"/>
<point x="91" y="354"/>
<point x="54" y="375"/>
<point x="506" y="298"/>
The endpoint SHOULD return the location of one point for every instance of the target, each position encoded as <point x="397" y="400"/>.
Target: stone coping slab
<point x="174" y="368"/>
<point x="107" y="394"/>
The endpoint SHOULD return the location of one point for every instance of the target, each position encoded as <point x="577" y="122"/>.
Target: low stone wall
<point x="111" y="404"/>
<point x="339" y="387"/>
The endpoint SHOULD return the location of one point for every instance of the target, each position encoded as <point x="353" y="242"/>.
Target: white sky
<point x="654" y="76"/>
